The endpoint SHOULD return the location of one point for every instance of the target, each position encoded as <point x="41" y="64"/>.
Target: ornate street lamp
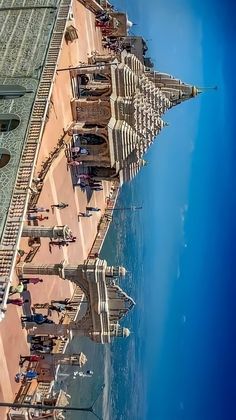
<point x="89" y="409"/>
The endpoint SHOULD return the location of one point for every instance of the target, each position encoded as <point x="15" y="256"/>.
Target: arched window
<point x="8" y="122"/>
<point x="92" y="139"/>
<point x="87" y="125"/>
<point x="101" y="172"/>
<point x="4" y="157"/>
<point x="100" y="77"/>
<point x="11" y="91"/>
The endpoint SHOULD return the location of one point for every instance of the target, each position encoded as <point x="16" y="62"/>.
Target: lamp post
<point x="99" y="66"/>
<point x="89" y="409"/>
<point x="133" y="208"/>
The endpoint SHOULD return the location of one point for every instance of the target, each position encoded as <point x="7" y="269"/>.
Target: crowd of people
<point x="107" y="23"/>
<point x="75" y="154"/>
<point x="33" y="214"/>
<point x="43" y="313"/>
<point x="39" y="344"/>
<point x="90" y="183"/>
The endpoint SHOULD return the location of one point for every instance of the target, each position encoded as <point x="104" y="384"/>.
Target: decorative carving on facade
<point x="92" y="111"/>
<point x="106" y="302"/>
<point x="133" y="116"/>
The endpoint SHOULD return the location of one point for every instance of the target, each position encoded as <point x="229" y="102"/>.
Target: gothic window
<point x="102" y="172"/>
<point x="89" y="92"/>
<point x="4" y="157"/>
<point x="8" y="122"/>
<point x="100" y="77"/>
<point x="91" y="139"/>
<point x="11" y="91"/>
<point x="87" y="125"/>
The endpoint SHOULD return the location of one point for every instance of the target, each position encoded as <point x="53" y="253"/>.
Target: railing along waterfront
<point x="104" y="223"/>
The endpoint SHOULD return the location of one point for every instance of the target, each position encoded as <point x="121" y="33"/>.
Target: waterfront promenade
<point x="57" y="187"/>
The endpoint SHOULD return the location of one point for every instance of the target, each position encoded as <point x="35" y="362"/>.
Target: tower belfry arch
<point x="107" y="303"/>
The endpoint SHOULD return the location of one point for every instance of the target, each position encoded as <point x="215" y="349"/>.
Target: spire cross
<point x="207" y="88"/>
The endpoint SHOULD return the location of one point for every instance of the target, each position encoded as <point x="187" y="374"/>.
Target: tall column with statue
<point x="53" y="232"/>
<point x="75" y="359"/>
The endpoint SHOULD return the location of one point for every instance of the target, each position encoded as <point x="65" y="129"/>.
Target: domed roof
<point x="126" y="332"/>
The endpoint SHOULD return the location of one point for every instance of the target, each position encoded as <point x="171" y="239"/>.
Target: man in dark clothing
<point x="30" y="358"/>
<point x="60" y="206"/>
<point x="37" y="318"/>
<point x="92" y="209"/>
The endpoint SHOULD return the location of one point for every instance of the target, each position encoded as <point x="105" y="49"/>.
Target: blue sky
<point x="186" y="293"/>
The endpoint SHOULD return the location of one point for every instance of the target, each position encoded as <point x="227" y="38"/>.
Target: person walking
<point x="72" y="239"/>
<point x="84" y="214"/>
<point x="40" y="306"/>
<point x="83" y="185"/>
<point x="16" y="289"/>
<point x="31" y="358"/>
<point x="38" y="210"/>
<point x="37" y="318"/>
<point x="60" y="205"/>
<point x="60" y="307"/>
<point x="84" y="176"/>
<point x="40" y="217"/>
<point x="63" y="302"/>
<point x="18" y="302"/>
<point x="26" y="376"/>
<point x="41" y="348"/>
<point x="58" y="243"/>
<point x="57" y="307"/>
<point x="44" y="340"/>
<point x="32" y="280"/>
<point x="74" y="163"/>
<point x="75" y="149"/>
<point x="92" y="209"/>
